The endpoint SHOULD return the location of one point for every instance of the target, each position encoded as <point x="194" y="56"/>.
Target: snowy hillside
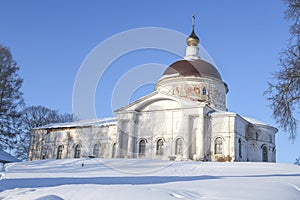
<point x="148" y="179"/>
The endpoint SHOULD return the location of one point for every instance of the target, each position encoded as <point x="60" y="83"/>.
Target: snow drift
<point x="148" y="179"/>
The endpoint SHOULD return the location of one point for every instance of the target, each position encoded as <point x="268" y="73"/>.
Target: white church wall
<point x="168" y="121"/>
<point x="222" y="137"/>
<point x="123" y="138"/>
<point x="156" y="119"/>
<point x="261" y="137"/>
<point x="197" y="131"/>
<point x="35" y="146"/>
<point x="45" y="142"/>
<point x="241" y="142"/>
<point x="197" y="134"/>
<point x="159" y="124"/>
<point x="195" y="138"/>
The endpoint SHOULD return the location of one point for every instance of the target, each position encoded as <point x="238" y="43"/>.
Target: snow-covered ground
<point x="148" y="179"/>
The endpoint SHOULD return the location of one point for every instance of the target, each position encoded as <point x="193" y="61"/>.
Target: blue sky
<point x="50" y="39"/>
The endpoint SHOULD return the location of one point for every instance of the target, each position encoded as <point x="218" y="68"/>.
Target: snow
<point x="81" y="123"/>
<point x="148" y="179"/>
<point x="254" y="121"/>
<point x="169" y="76"/>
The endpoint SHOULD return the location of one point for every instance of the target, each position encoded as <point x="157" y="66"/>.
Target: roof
<point x="260" y="123"/>
<point x="7" y="158"/>
<point x="198" y="68"/>
<point x="81" y="123"/>
<point x="249" y="120"/>
<point x="255" y="121"/>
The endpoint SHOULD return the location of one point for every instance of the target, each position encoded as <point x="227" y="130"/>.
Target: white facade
<point x="87" y="138"/>
<point x="185" y="118"/>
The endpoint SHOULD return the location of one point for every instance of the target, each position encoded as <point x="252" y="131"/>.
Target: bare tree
<point x="285" y="93"/>
<point x="297" y="162"/>
<point x="36" y="116"/>
<point x="11" y="99"/>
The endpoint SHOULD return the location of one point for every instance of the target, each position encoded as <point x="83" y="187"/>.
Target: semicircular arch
<point x="163" y="102"/>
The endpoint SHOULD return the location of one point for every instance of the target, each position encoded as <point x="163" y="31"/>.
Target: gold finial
<point x="193" y="40"/>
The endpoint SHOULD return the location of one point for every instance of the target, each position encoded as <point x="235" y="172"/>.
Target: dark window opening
<point x="178" y="146"/>
<point x="142" y="147"/>
<point x="59" y="152"/>
<point x="204" y="91"/>
<point x="159" y="147"/>
<point x="218" y="145"/>
<point x="96" y="150"/>
<point x="77" y="151"/>
<point x="265" y="154"/>
<point x="240" y="148"/>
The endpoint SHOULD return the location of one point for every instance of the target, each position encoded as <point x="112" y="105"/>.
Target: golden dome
<point x="193" y="39"/>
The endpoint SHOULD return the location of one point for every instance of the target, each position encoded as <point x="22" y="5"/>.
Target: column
<point x="200" y="138"/>
<point x="131" y="149"/>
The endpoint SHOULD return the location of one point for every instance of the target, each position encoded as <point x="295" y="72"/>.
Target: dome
<point x="196" y="68"/>
<point x="193" y="39"/>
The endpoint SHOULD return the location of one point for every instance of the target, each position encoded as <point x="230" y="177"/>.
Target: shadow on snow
<point x="6" y="184"/>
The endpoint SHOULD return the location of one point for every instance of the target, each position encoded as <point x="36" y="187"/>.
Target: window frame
<point x="240" y="147"/>
<point x="59" y="152"/>
<point x="219" y="145"/>
<point x="159" y="147"/>
<point x="77" y="151"/>
<point x="178" y="146"/>
<point x="142" y="147"/>
<point x="204" y="91"/>
<point x="265" y="152"/>
<point x="96" y="151"/>
<point x="114" y="150"/>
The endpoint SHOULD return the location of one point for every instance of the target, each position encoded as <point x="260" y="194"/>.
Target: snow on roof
<point x="169" y="76"/>
<point x="221" y="112"/>
<point x="248" y="119"/>
<point x="81" y="123"/>
<point x="255" y="121"/>
<point x="6" y="157"/>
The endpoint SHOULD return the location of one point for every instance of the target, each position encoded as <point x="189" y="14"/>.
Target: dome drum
<point x="199" y="89"/>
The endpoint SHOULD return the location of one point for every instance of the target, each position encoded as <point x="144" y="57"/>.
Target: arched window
<point x="265" y="154"/>
<point x="203" y="91"/>
<point x="256" y="136"/>
<point x="77" y="151"/>
<point x="113" y="153"/>
<point x="159" y="147"/>
<point x="59" y="152"/>
<point x="178" y="146"/>
<point x="142" y="147"/>
<point x="240" y="147"/>
<point x="270" y="138"/>
<point x="218" y="145"/>
<point x="96" y="150"/>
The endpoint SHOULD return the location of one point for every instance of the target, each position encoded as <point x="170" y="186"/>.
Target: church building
<point x="185" y="118"/>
